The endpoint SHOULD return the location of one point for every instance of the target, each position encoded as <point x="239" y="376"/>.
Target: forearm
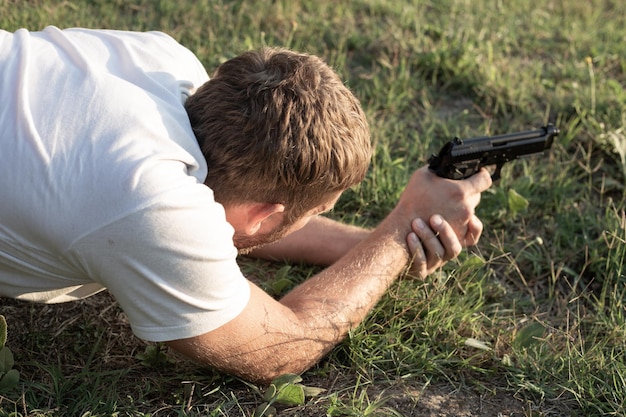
<point x="327" y="306"/>
<point x="321" y="242"/>
<point x="338" y="299"/>
<point x="271" y="338"/>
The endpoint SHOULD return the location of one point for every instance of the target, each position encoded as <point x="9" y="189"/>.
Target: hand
<point x="455" y="200"/>
<point x="432" y="245"/>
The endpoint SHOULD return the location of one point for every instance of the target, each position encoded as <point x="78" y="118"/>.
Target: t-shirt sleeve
<point x="171" y="265"/>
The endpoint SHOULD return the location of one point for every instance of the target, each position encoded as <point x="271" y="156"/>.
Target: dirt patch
<point x="403" y="398"/>
<point x="444" y="400"/>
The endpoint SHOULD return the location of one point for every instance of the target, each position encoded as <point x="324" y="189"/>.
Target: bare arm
<point x="321" y="242"/>
<point x="270" y="338"/>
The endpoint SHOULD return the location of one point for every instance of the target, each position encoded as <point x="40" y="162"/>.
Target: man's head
<point x="279" y="127"/>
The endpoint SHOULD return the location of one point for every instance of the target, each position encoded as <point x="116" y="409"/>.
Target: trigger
<point x="496" y="173"/>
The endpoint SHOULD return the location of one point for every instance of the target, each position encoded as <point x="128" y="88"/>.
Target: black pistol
<point x="462" y="158"/>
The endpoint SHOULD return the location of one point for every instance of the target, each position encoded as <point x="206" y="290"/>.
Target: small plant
<point x="9" y="377"/>
<point x="285" y="390"/>
<point x="280" y="282"/>
<point x="154" y="356"/>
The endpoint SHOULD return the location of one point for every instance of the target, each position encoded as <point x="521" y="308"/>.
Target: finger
<point x="435" y="252"/>
<point x="447" y="237"/>
<point x="480" y="181"/>
<point x="474" y="230"/>
<point x="418" y="256"/>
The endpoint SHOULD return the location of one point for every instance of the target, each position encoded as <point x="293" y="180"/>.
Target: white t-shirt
<point x="101" y="181"/>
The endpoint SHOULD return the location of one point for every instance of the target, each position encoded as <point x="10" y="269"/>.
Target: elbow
<point x="267" y="376"/>
<point x="260" y="366"/>
<point x="266" y="369"/>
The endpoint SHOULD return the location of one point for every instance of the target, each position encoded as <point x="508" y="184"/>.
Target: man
<point x="116" y="173"/>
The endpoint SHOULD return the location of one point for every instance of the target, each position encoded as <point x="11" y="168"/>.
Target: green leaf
<point x="9" y="380"/>
<point x="528" y="335"/>
<point x="285" y="390"/>
<point x="285" y="379"/>
<point x="153" y="356"/>
<point x="3" y="331"/>
<point x="270" y="393"/>
<point x="472" y="262"/>
<point x="516" y="202"/>
<point x="282" y="273"/>
<point x="6" y="359"/>
<point x="280" y="282"/>
<point x="278" y="384"/>
<point x="280" y="285"/>
<point x="291" y="395"/>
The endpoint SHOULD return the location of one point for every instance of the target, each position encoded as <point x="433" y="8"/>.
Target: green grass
<point x="543" y="296"/>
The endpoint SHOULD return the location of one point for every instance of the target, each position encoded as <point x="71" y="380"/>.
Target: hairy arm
<point x="321" y="242"/>
<point x="270" y="337"/>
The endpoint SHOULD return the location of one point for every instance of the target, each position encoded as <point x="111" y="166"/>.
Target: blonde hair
<point x="279" y="126"/>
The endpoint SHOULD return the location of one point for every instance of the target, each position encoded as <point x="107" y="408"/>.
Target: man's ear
<point x="259" y="213"/>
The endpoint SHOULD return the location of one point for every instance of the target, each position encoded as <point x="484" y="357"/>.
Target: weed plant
<point x="537" y="310"/>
